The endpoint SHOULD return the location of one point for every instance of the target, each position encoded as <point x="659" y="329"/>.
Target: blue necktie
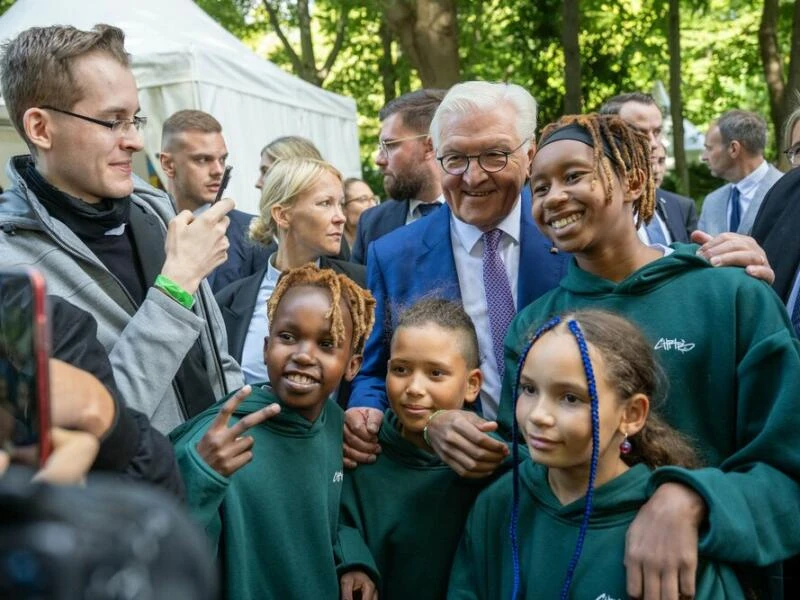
<point x="735" y="209"/>
<point x="654" y="232"/>
<point x="499" y="300"/>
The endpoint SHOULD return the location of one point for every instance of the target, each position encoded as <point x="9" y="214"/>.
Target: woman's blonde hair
<point x="286" y="180"/>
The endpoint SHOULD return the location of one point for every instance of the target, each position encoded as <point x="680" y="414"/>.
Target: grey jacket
<point x="146" y="345"/>
<point x="714" y="213"/>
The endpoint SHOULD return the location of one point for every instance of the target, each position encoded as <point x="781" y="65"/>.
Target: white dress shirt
<point x="253" y="366"/>
<point x="747" y="188"/>
<point x="467" y="241"/>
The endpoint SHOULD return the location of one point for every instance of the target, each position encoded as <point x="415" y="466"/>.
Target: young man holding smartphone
<point x="193" y="157"/>
<point x="103" y="238"/>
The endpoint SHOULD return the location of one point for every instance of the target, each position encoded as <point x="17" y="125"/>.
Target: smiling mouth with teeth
<point x="563" y="222"/>
<point x="300" y="378"/>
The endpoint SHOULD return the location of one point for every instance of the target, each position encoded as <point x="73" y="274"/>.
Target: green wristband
<point x="174" y="291"/>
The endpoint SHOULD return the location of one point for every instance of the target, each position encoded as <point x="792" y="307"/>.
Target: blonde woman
<point x="301" y="209"/>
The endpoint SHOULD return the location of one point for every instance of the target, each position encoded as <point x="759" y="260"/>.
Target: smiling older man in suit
<point x="734" y="151"/>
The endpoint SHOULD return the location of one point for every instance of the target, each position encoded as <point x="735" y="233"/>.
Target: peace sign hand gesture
<point x="226" y="449"/>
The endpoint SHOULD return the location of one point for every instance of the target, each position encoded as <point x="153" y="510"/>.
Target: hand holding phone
<point x="226" y="177"/>
<point x="24" y="374"/>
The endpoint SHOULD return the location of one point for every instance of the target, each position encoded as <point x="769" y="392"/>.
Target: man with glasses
<point x="105" y="240"/>
<point x="482" y="248"/>
<point x="411" y="177"/>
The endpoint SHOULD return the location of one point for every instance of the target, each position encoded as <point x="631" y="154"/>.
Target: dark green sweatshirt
<point x="274" y="521"/>
<point x="402" y="517"/>
<point x="547" y="535"/>
<point x="733" y="365"/>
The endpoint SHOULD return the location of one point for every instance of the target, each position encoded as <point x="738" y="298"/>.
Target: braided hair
<point x="630" y="368"/>
<point x="629" y="154"/>
<point x="359" y="300"/>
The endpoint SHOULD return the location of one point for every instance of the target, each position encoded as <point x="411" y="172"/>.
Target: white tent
<point x="183" y="59"/>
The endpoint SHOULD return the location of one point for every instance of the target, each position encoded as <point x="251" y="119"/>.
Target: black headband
<point x="576" y="132"/>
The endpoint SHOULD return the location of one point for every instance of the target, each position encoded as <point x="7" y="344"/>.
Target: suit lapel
<point x="436" y="261"/>
<point x="239" y="312"/>
<point x="149" y="238"/>
<point x="671" y="215"/>
<point x="394" y="217"/>
<point x="533" y="278"/>
<point x="750" y="216"/>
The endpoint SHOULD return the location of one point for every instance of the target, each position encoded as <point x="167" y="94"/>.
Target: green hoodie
<point x="548" y="531"/>
<point x="402" y="517"/>
<point x="274" y="521"/>
<point x="733" y="365"/>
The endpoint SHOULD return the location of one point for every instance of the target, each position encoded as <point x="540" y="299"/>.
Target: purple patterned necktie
<point x="499" y="300"/>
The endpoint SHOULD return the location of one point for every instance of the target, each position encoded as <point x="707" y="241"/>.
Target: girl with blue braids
<point x="555" y="527"/>
<point x="723" y="339"/>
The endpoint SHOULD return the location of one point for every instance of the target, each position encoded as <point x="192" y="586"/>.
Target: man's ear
<point x="167" y="164"/>
<point x="474" y="383"/>
<point x="635" y="185"/>
<point x="353" y="366"/>
<point x="38" y="126"/>
<point x="735" y="149"/>
<point x="430" y="153"/>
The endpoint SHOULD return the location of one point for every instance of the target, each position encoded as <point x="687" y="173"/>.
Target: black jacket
<point x="132" y="449"/>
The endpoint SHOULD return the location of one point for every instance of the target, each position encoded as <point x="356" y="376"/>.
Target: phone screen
<point x="24" y="426"/>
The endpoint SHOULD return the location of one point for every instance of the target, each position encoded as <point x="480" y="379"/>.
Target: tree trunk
<point x="772" y="63"/>
<point x="572" y="56"/>
<point x="427" y="31"/>
<point x="676" y="99"/>
<point x="386" y="64"/>
<point x="792" y="99"/>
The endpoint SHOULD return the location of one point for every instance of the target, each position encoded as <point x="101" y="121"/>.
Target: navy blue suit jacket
<point x="376" y="222"/>
<point x="244" y="256"/>
<point x="416" y="261"/>
<point x="679" y="214"/>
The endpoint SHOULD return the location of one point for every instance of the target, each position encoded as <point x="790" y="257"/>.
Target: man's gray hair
<point x="483" y="96"/>
<point x="746" y="127"/>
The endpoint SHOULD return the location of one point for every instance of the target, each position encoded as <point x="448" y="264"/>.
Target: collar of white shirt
<point x="748" y="185"/>
<point x="469" y="235"/>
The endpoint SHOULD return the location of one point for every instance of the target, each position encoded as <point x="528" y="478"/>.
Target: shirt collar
<point x="747" y="185"/>
<point x="272" y="272"/>
<point x="413" y="204"/>
<point x="468" y="235"/>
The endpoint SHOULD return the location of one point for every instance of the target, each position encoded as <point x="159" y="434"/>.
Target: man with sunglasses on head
<point x="104" y="239"/>
<point x="482" y="248"/>
<point x="411" y="176"/>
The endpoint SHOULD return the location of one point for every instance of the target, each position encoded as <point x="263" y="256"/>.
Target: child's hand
<point x="361" y="426"/>
<point x="226" y="449"/>
<point x="357" y="584"/>
<point x="460" y="439"/>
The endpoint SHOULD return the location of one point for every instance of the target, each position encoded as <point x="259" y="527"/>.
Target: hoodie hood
<point x="649" y="277"/>
<point x="613" y="501"/>
<point x="287" y="423"/>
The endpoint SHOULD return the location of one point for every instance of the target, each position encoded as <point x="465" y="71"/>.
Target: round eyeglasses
<point x="490" y="161"/>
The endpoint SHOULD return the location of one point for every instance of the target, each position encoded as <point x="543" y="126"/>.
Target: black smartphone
<point x="226" y="177"/>
<point x="24" y="368"/>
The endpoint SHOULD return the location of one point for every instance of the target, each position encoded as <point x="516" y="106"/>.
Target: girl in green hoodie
<point x="584" y="386"/>
<point x="723" y="338"/>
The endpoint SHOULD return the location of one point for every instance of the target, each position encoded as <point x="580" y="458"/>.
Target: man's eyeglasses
<point x="793" y="154"/>
<point x="384" y="146"/>
<point x="490" y="161"/>
<point x="119" y="126"/>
